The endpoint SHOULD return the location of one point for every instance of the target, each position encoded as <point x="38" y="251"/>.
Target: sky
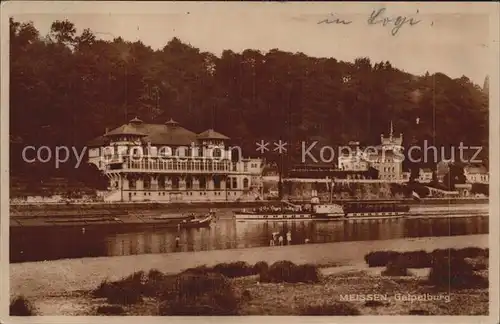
<point x="455" y="41"/>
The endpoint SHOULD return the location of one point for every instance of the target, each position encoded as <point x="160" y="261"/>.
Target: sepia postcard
<point x="249" y="161"/>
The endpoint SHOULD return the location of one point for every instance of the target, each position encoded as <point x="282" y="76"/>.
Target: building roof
<point x="169" y="133"/>
<point x="126" y="129"/>
<point x="211" y="134"/>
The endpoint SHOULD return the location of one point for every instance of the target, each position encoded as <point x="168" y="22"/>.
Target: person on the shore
<point x="306" y="240"/>
<point x="280" y="240"/>
<point x="289" y="238"/>
<point x="177" y="242"/>
<point x="275" y="237"/>
<point x="271" y="241"/>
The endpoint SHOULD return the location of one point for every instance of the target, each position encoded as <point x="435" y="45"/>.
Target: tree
<point x="73" y="86"/>
<point x="63" y="32"/>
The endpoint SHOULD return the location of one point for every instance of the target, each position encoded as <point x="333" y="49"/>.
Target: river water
<point x="50" y="243"/>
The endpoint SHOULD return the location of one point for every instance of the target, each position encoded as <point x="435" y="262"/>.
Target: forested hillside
<point x="69" y="86"/>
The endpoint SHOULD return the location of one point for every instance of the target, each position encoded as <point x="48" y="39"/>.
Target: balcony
<point x="193" y="167"/>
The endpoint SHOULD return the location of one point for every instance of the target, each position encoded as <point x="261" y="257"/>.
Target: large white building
<point x="168" y="163"/>
<point x="387" y="158"/>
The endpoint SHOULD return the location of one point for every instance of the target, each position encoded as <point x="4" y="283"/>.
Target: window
<point x="217" y="183"/>
<point x="189" y="183"/>
<point x="235" y="183"/>
<point x="147" y="183"/>
<point x="161" y="182"/>
<point x="245" y="183"/>
<point x="203" y="183"/>
<point x="217" y="152"/>
<point x="175" y="183"/>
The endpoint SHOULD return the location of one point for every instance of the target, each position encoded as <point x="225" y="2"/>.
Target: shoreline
<point x="63" y="276"/>
<point x="99" y="209"/>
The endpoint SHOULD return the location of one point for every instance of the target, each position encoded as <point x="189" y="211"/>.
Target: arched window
<point x="245" y="183"/>
<point x="161" y="182"/>
<point x="175" y="183"/>
<point x="203" y="183"/>
<point x="217" y="152"/>
<point x="147" y="183"/>
<point x="217" y="182"/>
<point x="189" y="182"/>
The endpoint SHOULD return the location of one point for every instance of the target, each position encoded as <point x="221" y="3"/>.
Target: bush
<point x="156" y="280"/>
<point x="230" y="270"/>
<point x="421" y="259"/>
<point x="20" y="306"/>
<point x="335" y="309"/>
<point x="125" y="291"/>
<point x="199" y="270"/>
<point x="395" y="268"/>
<point x="455" y="273"/>
<point x="415" y="259"/>
<point x="234" y="269"/>
<point x="260" y="267"/>
<point x="286" y="271"/>
<point x="307" y="273"/>
<point x="199" y="294"/>
<point x="280" y="271"/>
<point x="380" y="258"/>
<point x="110" y="310"/>
<point x="246" y="295"/>
<point x="471" y="252"/>
<point x="155" y="275"/>
<point x="479" y="263"/>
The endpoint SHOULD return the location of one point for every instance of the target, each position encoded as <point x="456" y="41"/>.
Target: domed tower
<point x="392" y="142"/>
<point x="214" y="142"/>
<point x="121" y="139"/>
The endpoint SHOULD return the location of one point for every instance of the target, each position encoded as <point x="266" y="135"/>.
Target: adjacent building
<point x="476" y="174"/>
<point x="169" y="163"/>
<point x="425" y="175"/>
<point x="352" y="159"/>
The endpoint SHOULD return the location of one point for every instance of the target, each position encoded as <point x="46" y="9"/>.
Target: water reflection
<point x="50" y="243"/>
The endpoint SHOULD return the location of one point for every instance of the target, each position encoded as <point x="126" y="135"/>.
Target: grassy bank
<point x="456" y="283"/>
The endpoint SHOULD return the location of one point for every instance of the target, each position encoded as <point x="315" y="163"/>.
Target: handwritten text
<point x="377" y="17"/>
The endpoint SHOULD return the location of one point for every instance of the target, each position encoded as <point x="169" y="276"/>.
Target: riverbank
<point x="41" y="279"/>
<point x="123" y="208"/>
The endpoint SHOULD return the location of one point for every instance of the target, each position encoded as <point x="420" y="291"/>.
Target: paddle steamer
<point x="327" y="211"/>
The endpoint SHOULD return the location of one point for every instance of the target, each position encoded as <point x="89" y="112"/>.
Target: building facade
<point x="425" y="175"/>
<point x="353" y="159"/>
<point x="168" y="163"/>
<point x="476" y="174"/>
